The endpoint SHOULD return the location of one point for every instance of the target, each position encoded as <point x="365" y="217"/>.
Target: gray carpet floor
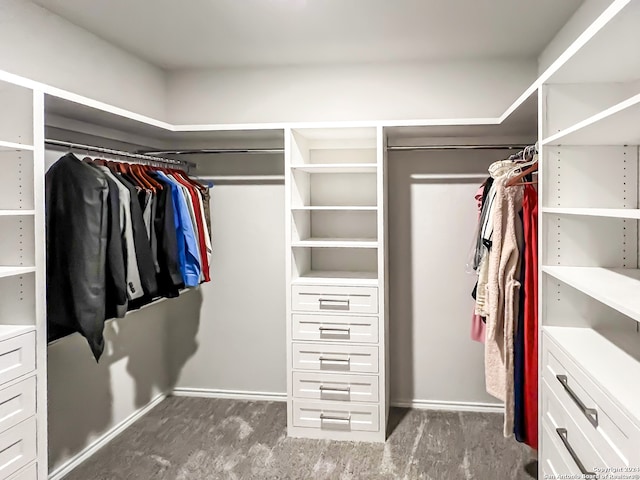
<point x="198" y="439"/>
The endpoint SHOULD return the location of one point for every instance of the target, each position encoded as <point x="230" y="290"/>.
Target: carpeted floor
<point x="198" y="439"/>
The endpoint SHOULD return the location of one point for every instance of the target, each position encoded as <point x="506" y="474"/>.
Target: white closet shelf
<point x="13" y="271"/>
<point x="595" y="212"/>
<point x="336" y="167"/>
<point x="617" y="125"/>
<point x="314" y="277"/>
<point x="10" y="331"/>
<point x="336" y="243"/>
<point x="335" y="209"/>
<point x="16" y="213"/>
<point x="14" y="146"/>
<point x="611" y="357"/>
<point x="618" y="288"/>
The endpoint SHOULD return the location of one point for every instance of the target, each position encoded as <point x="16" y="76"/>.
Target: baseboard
<point x="91" y="449"/>
<point x="449" y="406"/>
<point x="231" y="394"/>
<point x="282" y="397"/>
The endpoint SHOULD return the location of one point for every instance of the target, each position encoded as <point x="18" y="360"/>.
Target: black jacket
<point x="77" y="228"/>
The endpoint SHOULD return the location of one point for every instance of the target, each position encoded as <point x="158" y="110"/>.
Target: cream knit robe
<point x="502" y="289"/>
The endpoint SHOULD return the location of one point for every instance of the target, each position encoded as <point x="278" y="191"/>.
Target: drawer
<point x="327" y="298"/>
<point x="17" y="447"/>
<point x="336" y="358"/>
<point x="17" y="356"/>
<point x="17" y="403"/>
<point x="611" y="432"/>
<point x="328" y="386"/>
<point x="336" y="416"/>
<point x="335" y="328"/>
<point x="28" y="473"/>
<point x="552" y="456"/>
<point x="584" y="457"/>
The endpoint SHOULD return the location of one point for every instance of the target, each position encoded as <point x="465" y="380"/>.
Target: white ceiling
<point x="218" y="33"/>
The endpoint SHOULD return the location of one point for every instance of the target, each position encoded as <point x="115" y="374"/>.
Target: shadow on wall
<point x="87" y="399"/>
<point x="182" y="333"/>
<point x="433" y="358"/>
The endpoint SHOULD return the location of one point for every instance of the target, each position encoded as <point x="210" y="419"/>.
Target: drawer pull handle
<point x="333" y="419"/>
<point x="335" y="331"/>
<point x="333" y="303"/>
<point x="342" y="391"/>
<point x="563" y="434"/>
<point x="590" y="413"/>
<point x="341" y="361"/>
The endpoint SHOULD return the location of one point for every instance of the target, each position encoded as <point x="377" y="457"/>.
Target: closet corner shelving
<point x="336" y="277"/>
<point x="23" y="426"/>
<point x="589" y="276"/>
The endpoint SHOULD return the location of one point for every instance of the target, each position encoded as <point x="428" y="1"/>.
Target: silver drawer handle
<point x="333" y="419"/>
<point x="590" y="413"/>
<point x="342" y="391"/>
<point x="562" y="433"/>
<point x="341" y="361"/>
<point x="335" y="331"/>
<point x="334" y="303"/>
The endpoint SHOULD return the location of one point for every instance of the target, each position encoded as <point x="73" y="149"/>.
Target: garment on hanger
<point x="118" y="236"/>
<point x="503" y="289"/>
<point x="478" y="326"/>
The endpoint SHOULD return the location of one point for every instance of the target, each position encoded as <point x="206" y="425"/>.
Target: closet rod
<point x="454" y="147"/>
<point x="118" y="153"/>
<point x="214" y="151"/>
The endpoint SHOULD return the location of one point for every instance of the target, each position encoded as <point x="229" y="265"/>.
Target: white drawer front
<point x="28" y="473"/>
<point x="17" y="447"/>
<point x="326" y="298"/>
<point x="335" y="328"/>
<point x="336" y="416"/>
<point x="327" y="386"/>
<point x="17" y="356"/>
<point x="335" y="358"/>
<point x="17" y="403"/>
<point x="616" y="439"/>
<point x="552" y="456"/>
<point x="556" y="417"/>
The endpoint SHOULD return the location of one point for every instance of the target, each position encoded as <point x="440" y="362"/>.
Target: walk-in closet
<point x="312" y="239"/>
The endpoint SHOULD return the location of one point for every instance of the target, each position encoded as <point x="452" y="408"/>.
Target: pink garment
<point x="478" y="327"/>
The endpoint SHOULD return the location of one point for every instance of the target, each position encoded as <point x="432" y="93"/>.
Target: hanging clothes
<point x="118" y="236"/>
<point x="530" y="334"/>
<point x="77" y="227"/>
<point x="503" y="288"/>
<point x="478" y="325"/>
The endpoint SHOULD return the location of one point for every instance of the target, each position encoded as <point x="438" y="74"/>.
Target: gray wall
<point x="347" y="92"/>
<point x="39" y="45"/>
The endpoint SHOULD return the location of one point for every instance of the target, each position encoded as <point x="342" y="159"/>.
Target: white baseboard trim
<point x="449" y="406"/>
<point x="282" y="397"/>
<point x="230" y="394"/>
<point x="97" y="444"/>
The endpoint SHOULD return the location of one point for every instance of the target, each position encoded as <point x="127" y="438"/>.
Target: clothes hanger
<point x="515" y="180"/>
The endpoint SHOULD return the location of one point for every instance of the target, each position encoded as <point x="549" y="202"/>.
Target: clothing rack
<point x="215" y="151"/>
<point x="402" y="148"/>
<point x="118" y="153"/>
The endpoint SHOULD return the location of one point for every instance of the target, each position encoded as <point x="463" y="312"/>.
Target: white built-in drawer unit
<point x="17" y="403"/>
<point x="336" y="416"/>
<point x="331" y="328"/>
<point x="17" y="447"/>
<point x="575" y="442"/>
<point x="336" y="358"/>
<point x="614" y="436"/>
<point x="331" y="298"/>
<point x="336" y="387"/>
<point x="27" y="473"/>
<point x="17" y="356"/>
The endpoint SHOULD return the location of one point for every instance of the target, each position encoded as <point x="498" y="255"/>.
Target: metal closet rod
<point x="214" y="151"/>
<point x="117" y="153"/>
<point x="455" y="147"/>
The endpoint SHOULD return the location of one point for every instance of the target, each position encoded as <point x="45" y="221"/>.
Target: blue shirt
<point x="187" y="244"/>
